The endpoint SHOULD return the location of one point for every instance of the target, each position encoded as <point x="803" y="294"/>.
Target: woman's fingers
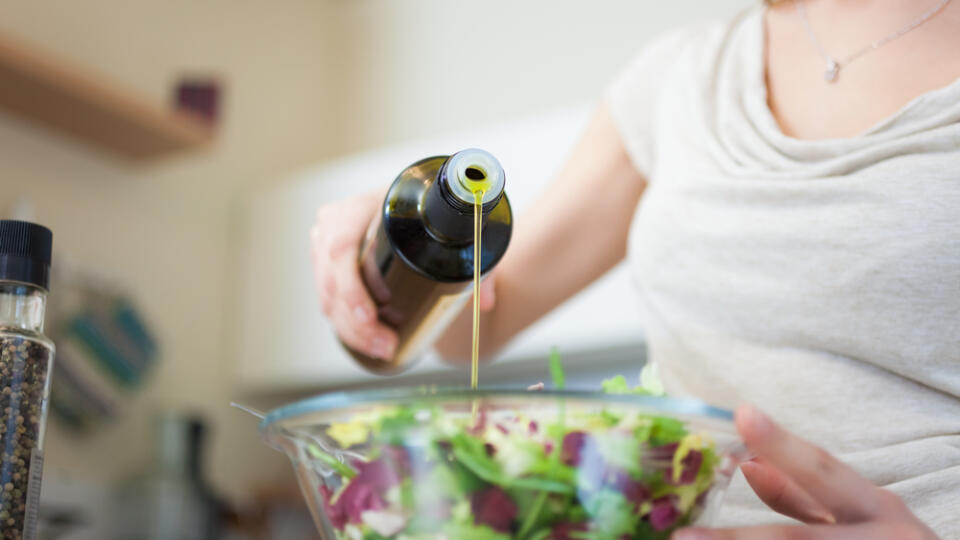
<point x="350" y="221"/>
<point x="350" y="288"/>
<point x="782" y="494"/>
<point x="324" y="282"/>
<point x="862" y="531"/>
<point x="373" y="339"/>
<point x="355" y="321"/>
<point x="791" y="472"/>
<point x="848" y="496"/>
<point x="335" y="241"/>
<point x="355" y="316"/>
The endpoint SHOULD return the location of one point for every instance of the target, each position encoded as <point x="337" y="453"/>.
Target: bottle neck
<point x="22" y="306"/>
<point x="448" y="204"/>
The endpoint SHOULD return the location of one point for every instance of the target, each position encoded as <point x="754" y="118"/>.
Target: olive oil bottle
<point x="417" y="259"/>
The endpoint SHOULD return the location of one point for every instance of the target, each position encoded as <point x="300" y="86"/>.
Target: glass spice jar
<point x="26" y="361"/>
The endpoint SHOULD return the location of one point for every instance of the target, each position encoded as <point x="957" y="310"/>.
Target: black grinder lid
<point x="25" y="252"/>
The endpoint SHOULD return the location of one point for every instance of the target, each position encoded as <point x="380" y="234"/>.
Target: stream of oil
<point x="478" y="182"/>
<point x="475" y="351"/>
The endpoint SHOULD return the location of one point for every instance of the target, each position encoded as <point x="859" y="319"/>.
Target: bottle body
<point x="417" y="257"/>
<point x="26" y="363"/>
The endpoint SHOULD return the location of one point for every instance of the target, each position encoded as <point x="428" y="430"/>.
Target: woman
<point x="786" y="188"/>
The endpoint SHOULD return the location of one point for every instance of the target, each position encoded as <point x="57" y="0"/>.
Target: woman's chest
<point x="831" y="262"/>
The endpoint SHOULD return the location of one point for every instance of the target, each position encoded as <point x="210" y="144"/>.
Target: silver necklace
<point x="833" y="65"/>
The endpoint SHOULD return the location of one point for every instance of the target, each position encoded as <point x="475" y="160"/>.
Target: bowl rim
<point x="346" y="399"/>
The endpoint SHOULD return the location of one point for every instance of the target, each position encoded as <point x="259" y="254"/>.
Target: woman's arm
<point x="574" y="232"/>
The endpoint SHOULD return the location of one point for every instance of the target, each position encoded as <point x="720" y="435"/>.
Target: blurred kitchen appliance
<point x="173" y="501"/>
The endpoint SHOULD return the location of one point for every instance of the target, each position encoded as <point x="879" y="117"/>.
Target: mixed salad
<point x="492" y="475"/>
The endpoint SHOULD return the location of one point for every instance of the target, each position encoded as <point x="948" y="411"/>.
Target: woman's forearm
<point x="573" y="233"/>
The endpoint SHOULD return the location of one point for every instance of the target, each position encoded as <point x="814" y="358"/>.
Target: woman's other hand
<point x="802" y="481"/>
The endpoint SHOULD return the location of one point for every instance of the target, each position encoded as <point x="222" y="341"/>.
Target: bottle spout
<point x="471" y="171"/>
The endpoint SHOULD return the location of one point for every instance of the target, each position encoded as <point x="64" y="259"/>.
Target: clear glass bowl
<point x="499" y="464"/>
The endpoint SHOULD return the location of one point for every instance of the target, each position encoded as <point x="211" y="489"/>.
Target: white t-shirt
<point x="817" y="279"/>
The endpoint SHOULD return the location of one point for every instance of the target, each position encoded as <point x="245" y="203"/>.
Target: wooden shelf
<point x="50" y="92"/>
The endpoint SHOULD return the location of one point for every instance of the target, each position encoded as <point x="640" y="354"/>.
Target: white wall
<point x="306" y="80"/>
<point x="163" y="230"/>
<point x="411" y="68"/>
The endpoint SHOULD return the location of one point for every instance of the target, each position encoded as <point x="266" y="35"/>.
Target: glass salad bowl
<point x="452" y="463"/>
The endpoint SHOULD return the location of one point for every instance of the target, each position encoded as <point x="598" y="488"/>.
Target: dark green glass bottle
<point x="417" y="257"/>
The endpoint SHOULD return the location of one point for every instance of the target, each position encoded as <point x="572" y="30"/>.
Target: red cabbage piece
<point x="573" y="444"/>
<point x="660" y="453"/>
<point x="378" y="474"/>
<point x="689" y="467"/>
<point x="365" y="490"/>
<point x="481" y="421"/>
<point x="494" y="508"/>
<point x="564" y="531"/>
<point x="355" y="499"/>
<point x="663" y="514"/>
<point x="633" y="490"/>
<point x="338" y="519"/>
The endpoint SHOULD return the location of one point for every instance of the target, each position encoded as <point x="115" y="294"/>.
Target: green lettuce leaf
<point x="616" y="385"/>
<point x="342" y="469"/>
<point x="611" y="515"/>
<point x="556" y="370"/>
<point x="649" y="384"/>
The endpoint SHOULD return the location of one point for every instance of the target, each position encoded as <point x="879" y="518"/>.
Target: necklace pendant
<point x="830" y="73"/>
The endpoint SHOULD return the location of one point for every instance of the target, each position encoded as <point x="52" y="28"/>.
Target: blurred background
<point x="178" y="150"/>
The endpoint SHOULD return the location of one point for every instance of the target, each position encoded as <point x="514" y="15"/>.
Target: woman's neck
<point x="868" y="88"/>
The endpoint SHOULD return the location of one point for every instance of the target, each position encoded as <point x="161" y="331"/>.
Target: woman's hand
<point x="802" y="481"/>
<point x="335" y="239"/>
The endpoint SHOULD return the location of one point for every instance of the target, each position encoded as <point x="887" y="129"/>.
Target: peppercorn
<point x="23" y="378"/>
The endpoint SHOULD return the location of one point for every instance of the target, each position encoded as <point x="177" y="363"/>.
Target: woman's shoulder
<point x="672" y="73"/>
<point x="688" y="36"/>
<point x="699" y="43"/>
<point x="686" y="58"/>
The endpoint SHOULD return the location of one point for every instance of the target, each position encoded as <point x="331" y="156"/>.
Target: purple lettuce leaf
<point x="564" y="531"/>
<point x="689" y="467"/>
<point x="494" y="508"/>
<point x="664" y="513"/>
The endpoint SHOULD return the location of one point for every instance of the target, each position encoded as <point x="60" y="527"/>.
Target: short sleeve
<point x="634" y="96"/>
